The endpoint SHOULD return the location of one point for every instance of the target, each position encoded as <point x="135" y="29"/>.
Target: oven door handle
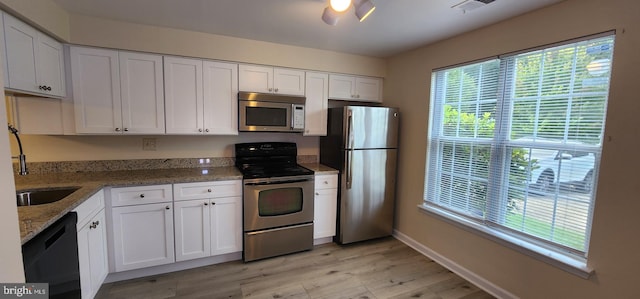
<point x="277" y="182"/>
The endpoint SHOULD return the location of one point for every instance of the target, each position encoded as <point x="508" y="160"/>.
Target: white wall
<point x="614" y="248"/>
<point x="11" y="269"/>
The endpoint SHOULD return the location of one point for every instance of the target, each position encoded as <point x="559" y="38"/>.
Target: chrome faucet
<point x="22" y="159"/>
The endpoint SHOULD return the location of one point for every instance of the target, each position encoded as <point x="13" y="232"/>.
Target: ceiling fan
<point x="336" y="8"/>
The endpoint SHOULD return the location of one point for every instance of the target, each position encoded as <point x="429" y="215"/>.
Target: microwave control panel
<point x="298" y="117"/>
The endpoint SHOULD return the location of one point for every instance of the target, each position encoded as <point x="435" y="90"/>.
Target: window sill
<point x="570" y="263"/>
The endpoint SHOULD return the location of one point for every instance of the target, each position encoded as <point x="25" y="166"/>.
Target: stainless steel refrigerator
<point x="362" y="143"/>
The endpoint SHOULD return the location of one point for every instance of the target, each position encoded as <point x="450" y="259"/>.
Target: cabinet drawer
<point x="188" y="191"/>
<point x="140" y="195"/>
<point x="327" y="181"/>
<point x="89" y="207"/>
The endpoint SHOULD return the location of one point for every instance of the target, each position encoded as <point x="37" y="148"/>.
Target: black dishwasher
<point x="52" y="257"/>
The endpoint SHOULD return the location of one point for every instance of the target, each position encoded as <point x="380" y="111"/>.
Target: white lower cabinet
<point x="142" y="231"/>
<point x="92" y="244"/>
<point x="325" y="206"/>
<point x="208" y="219"/>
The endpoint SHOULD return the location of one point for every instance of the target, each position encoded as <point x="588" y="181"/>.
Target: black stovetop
<point x="268" y="159"/>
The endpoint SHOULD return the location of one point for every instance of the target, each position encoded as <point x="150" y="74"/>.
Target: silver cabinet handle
<point x="270" y="89"/>
<point x="200" y="130"/>
<point x="117" y="129"/>
<point x="206" y="130"/>
<point x="276" y="90"/>
<point x="126" y="129"/>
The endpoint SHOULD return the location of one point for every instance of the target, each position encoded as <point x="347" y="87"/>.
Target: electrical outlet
<point x="148" y="144"/>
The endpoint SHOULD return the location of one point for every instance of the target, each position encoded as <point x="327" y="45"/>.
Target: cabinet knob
<point x="206" y="204"/>
<point x="209" y="190"/>
<point x="94" y="224"/>
<point x="326" y="182"/>
<point x="200" y="130"/>
<point x="276" y="90"/>
<point x="126" y="129"/>
<point x="48" y="88"/>
<point x="317" y="193"/>
<point x="141" y="195"/>
<point x="167" y="208"/>
<point x="117" y="129"/>
<point x="213" y="203"/>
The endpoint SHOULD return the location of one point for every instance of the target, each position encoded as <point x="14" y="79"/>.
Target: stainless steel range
<point x="278" y="200"/>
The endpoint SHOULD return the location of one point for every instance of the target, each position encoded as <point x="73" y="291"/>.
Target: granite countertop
<point x="34" y="219"/>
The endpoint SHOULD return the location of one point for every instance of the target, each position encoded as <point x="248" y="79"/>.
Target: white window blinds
<point x="515" y="142"/>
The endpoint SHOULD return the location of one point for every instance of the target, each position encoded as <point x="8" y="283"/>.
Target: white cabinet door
<point x="226" y="225"/>
<point x="220" y="98"/>
<point x="354" y="88"/>
<point x="35" y="62"/>
<point x="266" y="79"/>
<point x="142" y="93"/>
<point x="97" y="238"/>
<point x="96" y="90"/>
<point x="92" y="255"/>
<point x="20" y="46"/>
<point x="255" y="78"/>
<point x="288" y="81"/>
<point x="342" y="87"/>
<point x="317" y="94"/>
<point x="143" y="236"/>
<point x="183" y="95"/>
<point x="50" y="67"/>
<point x="192" y="229"/>
<point x="369" y="89"/>
<point x="325" y="206"/>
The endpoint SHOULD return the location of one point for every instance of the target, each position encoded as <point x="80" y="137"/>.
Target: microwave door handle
<point x="292" y="113"/>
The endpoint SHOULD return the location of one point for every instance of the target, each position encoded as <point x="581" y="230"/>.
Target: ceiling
<point x="394" y="27"/>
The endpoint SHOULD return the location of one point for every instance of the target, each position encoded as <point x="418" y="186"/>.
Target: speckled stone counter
<point x="319" y="168"/>
<point x="33" y="219"/>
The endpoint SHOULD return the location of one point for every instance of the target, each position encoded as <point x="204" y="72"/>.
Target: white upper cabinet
<point x="34" y="61"/>
<point x="96" y="90"/>
<point x="142" y="93"/>
<point x="266" y="79"/>
<point x="117" y="92"/>
<point x="354" y="88"/>
<point x="200" y="96"/>
<point x="220" y="98"/>
<point x="317" y="96"/>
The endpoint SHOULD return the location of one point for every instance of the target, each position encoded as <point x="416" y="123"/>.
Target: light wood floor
<point x="384" y="268"/>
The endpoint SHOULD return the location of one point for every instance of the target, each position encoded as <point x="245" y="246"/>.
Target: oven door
<point x="264" y="116"/>
<point x="277" y="202"/>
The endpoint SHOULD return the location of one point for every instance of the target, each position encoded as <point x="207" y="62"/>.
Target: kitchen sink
<point x="42" y="196"/>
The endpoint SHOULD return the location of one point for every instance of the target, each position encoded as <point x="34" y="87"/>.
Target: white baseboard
<point x="472" y="277"/>
<point x="179" y="266"/>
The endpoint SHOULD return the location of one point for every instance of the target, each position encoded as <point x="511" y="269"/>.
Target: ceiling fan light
<point x="340" y="5"/>
<point x="363" y="9"/>
<point x="330" y="16"/>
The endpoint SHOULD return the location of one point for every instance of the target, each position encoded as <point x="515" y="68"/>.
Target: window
<point x="515" y="142"/>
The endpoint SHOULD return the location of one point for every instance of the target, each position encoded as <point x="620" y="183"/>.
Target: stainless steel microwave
<point x="262" y="112"/>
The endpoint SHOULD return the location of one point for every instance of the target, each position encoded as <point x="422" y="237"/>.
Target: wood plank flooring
<point x="384" y="268"/>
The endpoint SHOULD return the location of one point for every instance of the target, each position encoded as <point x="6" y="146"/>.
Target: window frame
<point x="568" y="259"/>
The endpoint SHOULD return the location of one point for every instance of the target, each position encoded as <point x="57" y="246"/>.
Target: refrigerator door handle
<point x="349" y="130"/>
<point x="348" y="169"/>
